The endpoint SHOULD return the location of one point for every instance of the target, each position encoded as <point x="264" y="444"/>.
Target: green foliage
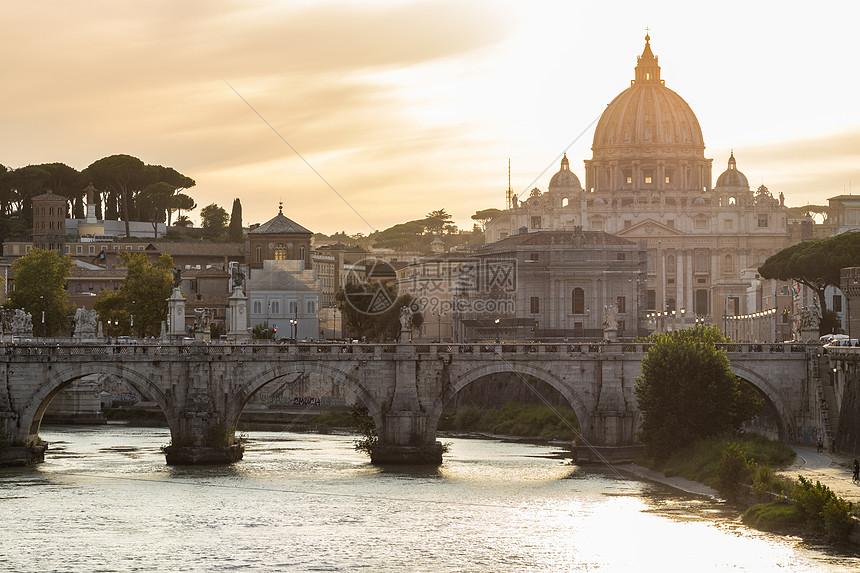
<point x="40" y="280"/>
<point x="774" y="516"/>
<point x="113" y="306"/>
<point x="372" y="310"/>
<point x="145" y="291"/>
<point x="815" y="263"/>
<point x="216" y="329"/>
<point x="214" y="220"/>
<point x="235" y="230"/>
<point x="366" y="428"/>
<point x="687" y="391"/>
<point x="836" y="515"/>
<point x="700" y="460"/>
<point x="262" y="331"/>
<point x="513" y="419"/>
<point x="734" y="472"/>
<point x="822" y="509"/>
<point x="484" y="216"/>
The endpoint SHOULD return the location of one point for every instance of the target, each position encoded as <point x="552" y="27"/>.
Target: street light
<point x="294" y="330"/>
<point x="497" y="329"/>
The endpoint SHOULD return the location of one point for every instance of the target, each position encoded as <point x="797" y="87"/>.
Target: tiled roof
<point x="280" y="224"/>
<point x="193" y="248"/>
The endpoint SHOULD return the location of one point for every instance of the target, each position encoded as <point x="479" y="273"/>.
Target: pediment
<point x="649" y="228"/>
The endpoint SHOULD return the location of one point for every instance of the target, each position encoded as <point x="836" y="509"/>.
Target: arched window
<point x="258" y="307"/>
<point x="701" y="263"/>
<point x="276" y="307"/>
<point x="670" y="264"/>
<point x="565" y="202"/>
<point x="302" y="253"/>
<point x="728" y="265"/>
<point x="259" y="254"/>
<point x="280" y="252"/>
<point x="293" y="307"/>
<point x="578" y="301"/>
<point x="311" y="307"/>
<point x="732" y="201"/>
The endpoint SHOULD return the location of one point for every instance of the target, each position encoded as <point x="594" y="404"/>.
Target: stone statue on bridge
<point x="202" y="318"/>
<point x="405" y="323"/>
<point x="610" y="322"/>
<point x="20" y="323"/>
<point x="86" y="322"/>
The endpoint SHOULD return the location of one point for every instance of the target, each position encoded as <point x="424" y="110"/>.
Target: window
<point x="293" y="307"/>
<point x="258" y="307"/>
<point x="621" y="304"/>
<point x="670" y="264"/>
<point x="311" y="307"/>
<point x="728" y="264"/>
<point x="536" y="222"/>
<point x="92" y="250"/>
<point x="259" y="254"/>
<point x="652" y="299"/>
<point x="668" y="179"/>
<point x="700" y="224"/>
<point x="837" y="303"/>
<point x="701" y="303"/>
<point x="578" y="301"/>
<point x="732" y="201"/>
<point x="629" y="179"/>
<point x="534" y="305"/>
<point x="280" y="252"/>
<point x="762" y="221"/>
<point x="565" y="202"/>
<point x="701" y="263"/>
<point x="275" y="307"/>
<point x="302" y="253"/>
<point x="647" y="179"/>
<point x="79" y="249"/>
<point x="534" y="257"/>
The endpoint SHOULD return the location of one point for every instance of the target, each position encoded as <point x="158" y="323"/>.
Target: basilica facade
<point x="649" y="182"/>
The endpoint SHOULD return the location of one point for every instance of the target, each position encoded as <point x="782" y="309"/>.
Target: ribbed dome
<point x="565" y="178"/>
<point x="731" y="177"/>
<point x="648" y="114"/>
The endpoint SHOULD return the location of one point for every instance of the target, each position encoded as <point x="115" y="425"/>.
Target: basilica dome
<point x="731" y="177"/>
<point x="565" y="178"/>
<point x="648" y="114"/>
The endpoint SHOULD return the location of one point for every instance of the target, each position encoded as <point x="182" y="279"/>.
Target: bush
<point x="810" y="500"/>
<point x="734" y="472"/>
<point x="837" y="518"/>
<point x="774" y="516"/>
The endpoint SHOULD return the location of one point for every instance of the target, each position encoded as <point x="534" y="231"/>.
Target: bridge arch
<point x="259" y="379"/>
<point x="583" y="414"/>
<point x="60" y="378"/>
<point x="785" y="417"/>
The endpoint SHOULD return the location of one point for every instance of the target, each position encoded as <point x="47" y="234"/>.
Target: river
<point x="104" y="500"/>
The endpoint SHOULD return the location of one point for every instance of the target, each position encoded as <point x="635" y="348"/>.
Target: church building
<point x="648" y="181"/>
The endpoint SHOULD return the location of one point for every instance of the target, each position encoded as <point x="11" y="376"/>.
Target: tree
<point x="372" y="310"/>
<point x="816" y="264"/>
<point x="687" y="391"/>
<point x="214" y="220"/>
<point x="484" y="216"/>
<point x="146" y="289"/>
<point x="40" y="281"/>
<point x="179" y="203"/>
<point x="118" y="175"/>
<point x="438" y="221"/>
<point x="113" y="306"/>
<point x="262" y="331"/>
<point x="153" y="203"/>
<point x="235" y="230"/>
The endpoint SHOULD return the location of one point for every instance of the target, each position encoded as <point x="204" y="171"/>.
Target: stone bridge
<point x="202" y="388"/>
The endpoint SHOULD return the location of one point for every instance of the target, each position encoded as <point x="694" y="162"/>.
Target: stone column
<point x="176" y="315"/>
<point x="238" y="327"/>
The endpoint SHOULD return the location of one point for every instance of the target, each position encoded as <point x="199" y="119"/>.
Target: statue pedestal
<point x="610" y="335"/>
<point x="176" y="315"/>
<point x="238" y="328"/>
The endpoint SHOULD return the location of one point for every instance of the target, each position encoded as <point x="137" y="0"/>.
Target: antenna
<point x="509" y="194"/>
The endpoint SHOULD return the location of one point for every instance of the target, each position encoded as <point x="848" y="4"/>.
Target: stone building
<point x="552" y="285"/>
<point x="281" y="284"/>
<point x="649" y="180"/>
<point x="49" y="222"/>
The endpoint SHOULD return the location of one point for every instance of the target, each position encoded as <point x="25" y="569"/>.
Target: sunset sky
<point x="404" y="107"/>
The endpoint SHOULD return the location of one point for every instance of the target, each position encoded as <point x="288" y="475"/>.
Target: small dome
<point x="699" y="201"/>
<point x="731" y="177"/>
<point x="565" y="178"/>
<point x="599" y="201"/>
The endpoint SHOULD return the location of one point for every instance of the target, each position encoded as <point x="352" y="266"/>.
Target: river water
<point x="104" y="500"/>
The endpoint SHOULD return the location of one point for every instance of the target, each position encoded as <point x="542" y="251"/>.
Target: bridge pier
<point x="404" y="440"/>
<point x="202" y="438"/>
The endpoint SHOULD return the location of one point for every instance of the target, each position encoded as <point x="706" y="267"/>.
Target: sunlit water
<point x="104" y="500"/>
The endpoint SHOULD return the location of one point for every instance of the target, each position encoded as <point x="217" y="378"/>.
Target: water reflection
<point x="105" y="500"/>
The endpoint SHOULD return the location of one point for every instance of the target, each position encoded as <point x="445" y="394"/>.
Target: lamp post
<point x="683" y="312"/>
<point x="294" y="328"/>
<point x="497" y="330"/>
